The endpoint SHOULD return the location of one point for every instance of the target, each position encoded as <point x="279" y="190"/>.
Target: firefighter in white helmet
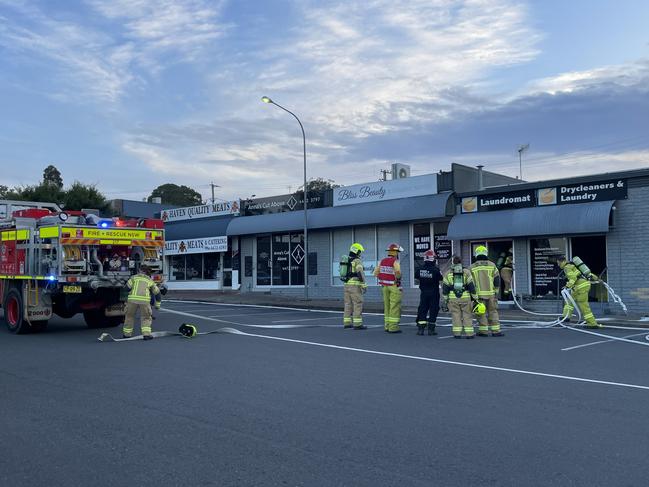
<point x="388" y="274"/>
<point x="351" y="273"/>
<point x="429" y="277"/>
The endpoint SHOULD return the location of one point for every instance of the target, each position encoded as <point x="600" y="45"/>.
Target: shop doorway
<point x="498" y="252"/>
<point x="592" y="250"/>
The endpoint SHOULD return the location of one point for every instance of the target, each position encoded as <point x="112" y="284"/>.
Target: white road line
<point x="603" y="341"/>
<point x="307" y="319"/>
<point x="264" y="313"/>
<point x="450" y="362"/>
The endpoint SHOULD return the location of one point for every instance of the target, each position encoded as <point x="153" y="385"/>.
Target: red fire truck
<point x="70" y="262"/>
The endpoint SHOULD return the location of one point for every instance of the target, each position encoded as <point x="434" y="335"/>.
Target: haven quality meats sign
<point x="386" y="190"/>
<point x="583" y="193"/>
<point x="201" y="211"/>
<point x="196" y="245"/>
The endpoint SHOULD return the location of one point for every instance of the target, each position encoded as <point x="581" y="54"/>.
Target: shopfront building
<point x="198" y="253"/>
<point x="598" y="218"/>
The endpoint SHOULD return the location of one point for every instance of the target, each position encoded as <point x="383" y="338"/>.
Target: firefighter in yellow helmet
<point x="141" y="290"/>
<point x="579" y="279"/>
<point x="458" y="292"/>
<point x="351" y="273"/>
<point x="388" y="273"/>
<point x="487" y="283"/>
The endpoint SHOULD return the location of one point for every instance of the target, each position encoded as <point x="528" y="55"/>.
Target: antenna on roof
<point x="521" y="148"/>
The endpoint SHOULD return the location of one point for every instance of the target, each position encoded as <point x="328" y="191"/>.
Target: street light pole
<point x="265" y="99"/>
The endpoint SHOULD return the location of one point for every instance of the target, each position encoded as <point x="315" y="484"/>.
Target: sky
<point x="131" y="94"/>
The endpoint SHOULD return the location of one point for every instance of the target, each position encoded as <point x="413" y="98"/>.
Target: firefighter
<point x="459" y="292"/>
<point x="487" y="280"/>
<point x="579" y="282"/>
<point x="429" y="278"/>
<point x="388" y="273"/>
<point x="141" y="290"/>
<point x="354" y="288"/>
<point x="506" y="275"/>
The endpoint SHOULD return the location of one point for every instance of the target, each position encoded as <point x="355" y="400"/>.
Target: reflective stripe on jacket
<point x="141" y="288"/>
<point x="576" y="280"/>
<point x="356" y="268"/>
<point x="484" y="274"/>
<point x="447" y="286"/>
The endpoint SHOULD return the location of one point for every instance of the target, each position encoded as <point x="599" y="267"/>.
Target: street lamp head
<point x="265" y="99"/>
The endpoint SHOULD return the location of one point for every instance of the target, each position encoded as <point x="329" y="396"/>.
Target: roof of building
<point x="397" y="210"/>
<point x="631" y="174"/>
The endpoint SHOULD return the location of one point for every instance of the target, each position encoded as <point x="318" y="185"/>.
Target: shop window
<point x="263" y="261"/>
<point x="592" y="250"/>
<point x="297" y="260"/>
<point x="194" y="267"/>
<point x="366" y="236"/>
<point x="177" y="268"/>
<point x="341" y="240"/>
<point x="281" y="256"/>
<point x="211" y="265"/>
<point x="545" y="272"/>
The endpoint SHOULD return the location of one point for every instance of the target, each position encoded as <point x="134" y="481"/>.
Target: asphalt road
<point x="317" y="405"/>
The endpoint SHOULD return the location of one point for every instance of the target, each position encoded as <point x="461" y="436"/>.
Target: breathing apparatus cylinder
<point x="188" y="330"/>
<point x="458" y="280"/>
<point x="501" y="260"/>
<point x="581" y="267"/>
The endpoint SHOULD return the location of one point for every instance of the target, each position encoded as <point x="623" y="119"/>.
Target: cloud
<point x="91" y="61"/>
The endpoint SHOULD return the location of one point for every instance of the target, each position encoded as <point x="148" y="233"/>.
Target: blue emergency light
<point x="104" y="223"/>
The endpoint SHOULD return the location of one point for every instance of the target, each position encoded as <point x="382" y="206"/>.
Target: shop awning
<point x="197" y="228"/>
<point x="529" y="222"/>
<point x="399" y="210"/>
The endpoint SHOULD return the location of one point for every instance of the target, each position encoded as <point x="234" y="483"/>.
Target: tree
<point x="172" y="194"/>
<point x="50" y="190"/>
<point x="80" y="196"/>
<point x="320" y="184"/>
<point x="45" y="192"/>
<point x="52" y="177"/>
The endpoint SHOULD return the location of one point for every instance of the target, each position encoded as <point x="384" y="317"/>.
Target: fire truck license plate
<point x="72" y="289"/>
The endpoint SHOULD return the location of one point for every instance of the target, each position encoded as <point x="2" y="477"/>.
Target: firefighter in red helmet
<point x="388" y="273"/>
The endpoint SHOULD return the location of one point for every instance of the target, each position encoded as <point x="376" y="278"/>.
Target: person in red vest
<point x="388" y="273"/>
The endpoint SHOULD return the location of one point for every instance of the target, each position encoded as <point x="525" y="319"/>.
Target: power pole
<point x="521" y="149"/>
<point x="213" y="186"/>
<point x="384" y="174"/>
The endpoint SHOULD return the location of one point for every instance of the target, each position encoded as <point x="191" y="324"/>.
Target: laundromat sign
<point x="201" y="211"/>
<point x="196" y="245"/>
<point x="555" y="195"/>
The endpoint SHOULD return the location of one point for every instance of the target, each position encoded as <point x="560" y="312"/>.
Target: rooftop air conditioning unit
<point x="400" y="171"/>
<point x="157" y="200"/>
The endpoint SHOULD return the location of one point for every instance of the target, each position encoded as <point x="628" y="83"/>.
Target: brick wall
<point x="627" y="246"/>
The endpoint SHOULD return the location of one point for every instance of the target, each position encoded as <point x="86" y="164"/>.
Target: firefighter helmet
<point x="394" y="247"/>
<point x="188" y="330"/>
<point x="480" y="309"/>
<point x="429" y="256"/>
<point x="356" y="248"/>
<point x="480" y="250"/>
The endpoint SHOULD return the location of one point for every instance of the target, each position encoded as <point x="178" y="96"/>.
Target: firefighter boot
<point x="420" y="329"/>
<point x="431" y="329"/>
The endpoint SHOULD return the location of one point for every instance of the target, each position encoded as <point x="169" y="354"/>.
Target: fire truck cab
<point x="65" y="263"/>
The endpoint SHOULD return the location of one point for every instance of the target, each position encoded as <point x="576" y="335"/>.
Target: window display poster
<point x="544" y="253"/>
<point x="443" y="247"/>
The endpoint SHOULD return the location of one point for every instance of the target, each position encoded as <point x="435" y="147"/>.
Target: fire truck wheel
<point x="14" y="312"/>
<point x="96" y="318"/>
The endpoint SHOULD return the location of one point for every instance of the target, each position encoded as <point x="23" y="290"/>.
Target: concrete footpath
<point x="507" y="312"/>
